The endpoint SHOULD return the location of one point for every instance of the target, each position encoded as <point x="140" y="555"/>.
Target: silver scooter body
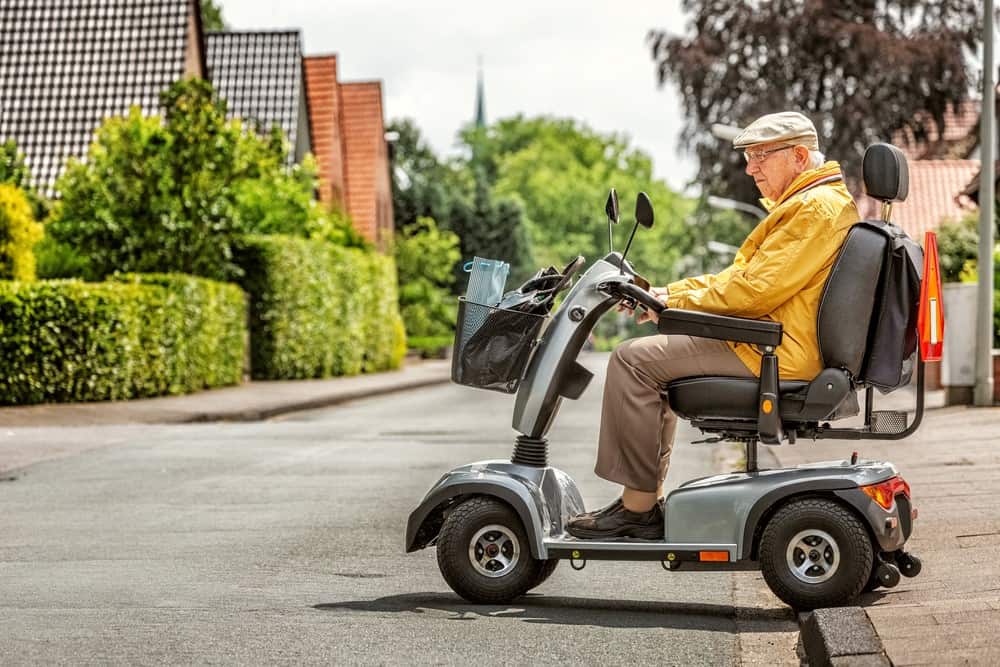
<point x="720" y="514"/>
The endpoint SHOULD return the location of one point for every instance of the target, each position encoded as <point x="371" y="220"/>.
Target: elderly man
<point x="778" y="275"/>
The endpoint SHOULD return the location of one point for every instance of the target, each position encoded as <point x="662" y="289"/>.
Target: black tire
<point x="873" y="580"/>
<point x="843" y="554"/>
<point x="468" y="525"/>
<point x="548" y="567"/>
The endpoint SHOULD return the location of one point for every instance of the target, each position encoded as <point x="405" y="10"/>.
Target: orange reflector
<point x="767" y="406"/>
<point x="930" y="317"/>
<point x="722" y="556"/>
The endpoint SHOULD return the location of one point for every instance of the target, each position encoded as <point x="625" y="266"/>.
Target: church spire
<point x="480" y="96"/>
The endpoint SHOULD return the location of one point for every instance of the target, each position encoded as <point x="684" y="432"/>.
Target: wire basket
<point x="493" y="346"/>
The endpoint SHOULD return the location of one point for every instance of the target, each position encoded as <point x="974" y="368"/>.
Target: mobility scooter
<point x="820" y="533"/>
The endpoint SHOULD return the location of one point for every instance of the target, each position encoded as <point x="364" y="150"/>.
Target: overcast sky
<point x="587" y="60"/>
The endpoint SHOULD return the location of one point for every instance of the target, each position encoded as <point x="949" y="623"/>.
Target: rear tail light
<point x="885" y="492"/>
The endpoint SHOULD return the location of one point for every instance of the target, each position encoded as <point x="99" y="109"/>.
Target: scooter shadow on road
<point x="571" y="611"/>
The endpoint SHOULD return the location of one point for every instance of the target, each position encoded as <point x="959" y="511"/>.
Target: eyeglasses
<point x="760" y="156"/>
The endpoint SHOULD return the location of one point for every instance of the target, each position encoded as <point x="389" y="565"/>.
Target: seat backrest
<point x="849" y="300"/>
<point x="852" y="290"/>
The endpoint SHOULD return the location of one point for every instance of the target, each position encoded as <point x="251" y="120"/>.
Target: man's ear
<point x="801" y="155"/>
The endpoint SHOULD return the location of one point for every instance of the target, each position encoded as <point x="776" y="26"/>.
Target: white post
<point x="987" y="203"/>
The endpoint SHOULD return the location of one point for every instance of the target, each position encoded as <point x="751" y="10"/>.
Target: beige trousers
<point x="637" y="424"/>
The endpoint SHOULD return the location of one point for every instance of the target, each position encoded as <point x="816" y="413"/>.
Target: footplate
<point x="888" y="421"/>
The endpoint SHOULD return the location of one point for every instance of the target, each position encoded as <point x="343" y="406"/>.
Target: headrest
<point x="887" y="178"/>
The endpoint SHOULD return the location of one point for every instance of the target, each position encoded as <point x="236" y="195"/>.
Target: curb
<point x="254" y="401"/>
<point x="260" y="414"/>
<point x="840" y="636"/>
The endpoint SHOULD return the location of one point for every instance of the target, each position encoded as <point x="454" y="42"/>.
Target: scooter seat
<point x="829" y="396"/>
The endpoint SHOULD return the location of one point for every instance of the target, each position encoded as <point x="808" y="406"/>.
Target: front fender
<point x="542" y="497"/>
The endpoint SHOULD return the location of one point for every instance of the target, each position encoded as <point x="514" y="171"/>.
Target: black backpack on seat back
<point x="892" y="339"/>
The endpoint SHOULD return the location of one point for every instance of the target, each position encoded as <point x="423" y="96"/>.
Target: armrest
<point x="720" y="327"/>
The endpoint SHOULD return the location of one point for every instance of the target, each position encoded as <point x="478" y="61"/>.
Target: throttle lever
<point x="633" y="296"/>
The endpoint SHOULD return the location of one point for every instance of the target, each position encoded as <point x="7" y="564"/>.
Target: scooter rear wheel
<point x="484" y="555"/>
<point x="815" y="553"/>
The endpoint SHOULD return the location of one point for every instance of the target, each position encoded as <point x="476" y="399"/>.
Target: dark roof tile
<point x="65" y="65"/>
<point x="260" y="76"/>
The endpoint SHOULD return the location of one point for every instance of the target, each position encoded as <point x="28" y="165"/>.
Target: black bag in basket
<point x="494" y="357"/>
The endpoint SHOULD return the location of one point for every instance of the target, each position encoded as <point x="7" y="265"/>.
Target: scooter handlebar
<point x="638" y="296"/>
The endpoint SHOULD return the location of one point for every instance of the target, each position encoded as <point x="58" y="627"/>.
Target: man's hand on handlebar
<point x="645" y="315"/>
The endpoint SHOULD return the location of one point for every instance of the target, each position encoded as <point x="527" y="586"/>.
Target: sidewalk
<point x="252" y="401"/>
<point x="950" y="613"/>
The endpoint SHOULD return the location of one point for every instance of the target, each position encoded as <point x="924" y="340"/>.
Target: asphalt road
<point x="282" y="542"/>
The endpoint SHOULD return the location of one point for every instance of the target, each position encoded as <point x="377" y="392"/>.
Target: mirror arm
<point x="628" y="245"/>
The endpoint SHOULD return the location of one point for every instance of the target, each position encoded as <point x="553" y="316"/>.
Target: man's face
<point x="773" y="167"/>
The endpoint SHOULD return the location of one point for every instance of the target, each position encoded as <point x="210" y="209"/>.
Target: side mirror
<point x="611" y="208"/>
<point x="643" y="216"/>
<point x="644" y="210"/>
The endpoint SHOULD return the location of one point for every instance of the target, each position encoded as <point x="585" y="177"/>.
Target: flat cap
<point x="788" y="127"/>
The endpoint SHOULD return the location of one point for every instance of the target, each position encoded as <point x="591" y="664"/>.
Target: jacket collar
<point x="828" y="173"/>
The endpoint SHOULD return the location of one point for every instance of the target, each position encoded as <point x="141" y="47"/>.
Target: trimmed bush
<point x="19" y="232"/>
<point x="64" y="341"/>
<point x="318" y="310"/>
<point x="202" y="330"/>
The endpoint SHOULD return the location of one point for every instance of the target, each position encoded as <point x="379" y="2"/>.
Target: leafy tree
<point x="12" y="167"/>
<point x="422" y="186"/>
<point x="958" y="244"/>
<point x="281" y="200"/>
<point x="703" y="227"/>
<point x="860" y="69"/>
<point x="153" y="196"/>
<point x="172" y="194"/>
<point x="14" y="170"/>
<point x="459" y="199"/>
<point x="211" y="16"/>
<point x="491" y="227"/>
<point x="560" y="171"/>
<point x="19" y="232"/>
<point x="425" y="256"/>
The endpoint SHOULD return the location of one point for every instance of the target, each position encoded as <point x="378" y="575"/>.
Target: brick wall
<point x="366" y="161"/>
<point x="323" y="92"/>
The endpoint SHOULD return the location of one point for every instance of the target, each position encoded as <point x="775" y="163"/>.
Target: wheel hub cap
<point x="813" y="556"/>
<point x="494" y="551"/>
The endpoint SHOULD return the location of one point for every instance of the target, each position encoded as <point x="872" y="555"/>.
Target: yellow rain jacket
<point x="780" y="270"/>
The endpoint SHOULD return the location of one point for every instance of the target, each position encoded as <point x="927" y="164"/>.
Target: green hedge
<point x="317" y="309"/>
<point x="140" y="336"/>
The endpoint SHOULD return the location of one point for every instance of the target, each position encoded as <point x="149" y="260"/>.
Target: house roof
<point x="935" y="196"/>
<point x="260" y="76"/>
<point x="65" y="65"/>
<point x="956" y="142"/>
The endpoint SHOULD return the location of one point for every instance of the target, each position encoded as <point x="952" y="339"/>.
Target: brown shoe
<point x="613" y="506"/>
<point x="616" y="521"/>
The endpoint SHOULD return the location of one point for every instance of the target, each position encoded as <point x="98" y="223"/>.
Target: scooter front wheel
<point x="483" y="552"/>
<point x="815" y="553"/>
